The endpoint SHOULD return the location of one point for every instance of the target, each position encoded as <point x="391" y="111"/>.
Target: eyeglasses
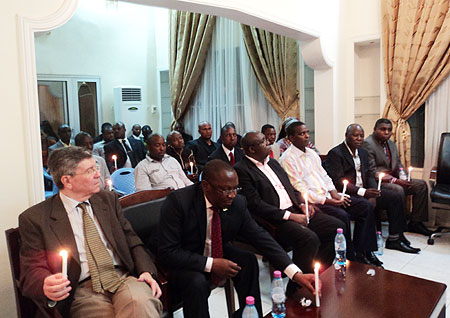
<point x="91" y="171"/>
<point x="228" y="191"/>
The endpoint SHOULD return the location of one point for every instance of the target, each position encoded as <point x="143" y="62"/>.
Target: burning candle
<point x="409" y="173"/>
<point x="380" y="177"/>
<point x="344" y="189"/>
<point x="63" y="255"/>
<point x="316" y="282"/>
<point x="110" y="185"/>
<point x="114" y="157"/>
<point x="192" y="167"/>
<point x="307" y="210"/>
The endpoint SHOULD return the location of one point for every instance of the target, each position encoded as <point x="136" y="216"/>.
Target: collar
<point x="227" y="151"/>
<point x="356" y="150"/>
<point x="69" y="203"/>
<point x="153" y="160"/>
<point x="258" y="163"/>
<point x="208" y="204"/>
<point x="298" y="151"/>
<point x="66" y="145"/>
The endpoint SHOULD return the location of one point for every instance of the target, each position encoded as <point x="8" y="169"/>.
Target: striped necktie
<point x="216" y="242"/>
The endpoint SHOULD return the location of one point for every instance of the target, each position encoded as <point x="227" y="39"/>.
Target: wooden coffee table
<point x="387" y="294"/>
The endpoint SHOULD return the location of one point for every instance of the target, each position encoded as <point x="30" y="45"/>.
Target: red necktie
<point x="232" y="161"/>
<point x="271" y="154"/>
<point x="216" y="242"/>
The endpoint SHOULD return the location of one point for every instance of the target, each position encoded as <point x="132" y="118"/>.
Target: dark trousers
<point x="364" y="235"/>
<point x="315" y="242"/>
<point x="194" y="286"/>
<point x="394" y="203"/>
<point x="419" y="191"/>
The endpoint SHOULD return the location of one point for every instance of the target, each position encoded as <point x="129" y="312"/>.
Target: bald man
<point x="203" y="146"/>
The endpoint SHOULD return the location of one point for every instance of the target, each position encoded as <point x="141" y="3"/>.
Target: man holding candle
<point x="103" y="251"/>
<point x="383" y="157"/>
<point x="272" y="198"/>
<point x="349" y="162"/>
<point x="184" y="155"/>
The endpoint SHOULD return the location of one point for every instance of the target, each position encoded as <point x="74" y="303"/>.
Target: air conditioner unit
<point x="128" y="106"/>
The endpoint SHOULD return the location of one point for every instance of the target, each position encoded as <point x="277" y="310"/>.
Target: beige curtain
<point x="274" y="59"/>
<point x="416" y="39"/>
<point x="190" y="38"/>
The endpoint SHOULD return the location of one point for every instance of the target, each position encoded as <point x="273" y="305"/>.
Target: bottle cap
<point x="378" y="232"/>
<point x="250" y="300"/>
<point x="277" y="274"/>
<point x="340" y="231"/>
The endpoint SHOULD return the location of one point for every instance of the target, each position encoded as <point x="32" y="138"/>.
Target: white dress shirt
<point x="98" y="149"/>
<point x="128" y="162"/>
<point x="228" y="151"/>
<point x="357" y="161"/>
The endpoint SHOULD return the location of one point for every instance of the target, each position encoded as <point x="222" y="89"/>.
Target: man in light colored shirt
<point x="136" y="132"/>
<point x="271" y="135"/>
<point x="305" y="171"/>
<point x="64" y="134"/>
<point x="107" y="136"/>
<point x="198" y="224"/>
<point x="159" y="170"/>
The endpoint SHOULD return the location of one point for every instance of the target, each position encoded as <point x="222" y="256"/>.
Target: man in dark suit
<point x="203" y="146"/>
<point x="348" y="161"/>
<point x="228" y="151"/>
<point x="238" y="137"/>
<point x="129" y="151"/>
<point x="198" y="224"/>
<point x="103" y="250"/>
<point x="383" y="157"/>
<point x="180" y="128"/>
<point x="272" y="197"/>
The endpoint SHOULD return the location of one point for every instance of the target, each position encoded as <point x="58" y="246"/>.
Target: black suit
<point x="114" y="147"/>
<point x="264" y="202"/>
<point x="201" y="151"/>
<point x="182" y="242"/>
<point x="220" y="154"/>
<point x="340" y="165"/>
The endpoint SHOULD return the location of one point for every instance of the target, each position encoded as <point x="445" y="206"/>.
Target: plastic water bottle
<point x="379" y="243"/>
<point x="278" y="296"/>
<point x="250" y="309"/>
<point x="340" y="247"/>
<point x="402" y="174"/>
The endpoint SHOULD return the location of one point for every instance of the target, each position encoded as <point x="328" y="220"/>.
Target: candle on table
<point x="344" y="189"/>
<point x="114" y="157"/>
<point x="316" y="282"/>
<point x="380" y="177"/>
<point x="306" y="203"/>
<point x="409" y="173"/>
<point x="192" y="167"/>
<point x="63" y="254"/>
<point x="110" y="185"/>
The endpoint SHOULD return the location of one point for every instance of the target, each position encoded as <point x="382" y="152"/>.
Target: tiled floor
<point x="432" y="263"/>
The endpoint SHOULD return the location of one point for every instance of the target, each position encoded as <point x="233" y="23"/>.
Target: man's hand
<point x="372" y="193"/>
<point x="311" y="209"/>
<point x="298" y="218"/>
<point x="193" y="177"/>
<point x="405" y="184"/>
<point x="147" y="277"/>
<point x="56" y="287"/>
<point x="345" y="202"/>
<point x="225" y="268"/>
<point x="307" y="281"/>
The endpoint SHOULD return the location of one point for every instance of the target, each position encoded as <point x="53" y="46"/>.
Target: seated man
<point x="159" y="170"/>
<point x="303" y="165"/>
<point x="64" y="134"/>
<point x="203" y="146"/>
<point x="271" y="134"/>
<point x="383" y="156"/>
<point x="100" y="137"/>
<point x="84" y="140"/>
<point x="107" y="136"/>
<point x="197" y="226"/>
<point x="104" y="253"/>
<point x="180" y="128"/>
<point x="238" y="137"/>
<point x="228" y="151"/>
<point x="348" y="161"/>
<point x="136" y="132"/>
<point x="272" y="197"/>
<point x="184" y="155"/>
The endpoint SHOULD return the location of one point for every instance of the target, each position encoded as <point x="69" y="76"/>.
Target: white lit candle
<point x="110" y="185"/>
<point x="192" y="167"/>
<point x="409" y="173"/>
<point x="344" y="189"/>
<point x="306" y="204"/>
<point x="114" y="157"/>
<point x="316" y="282"/>
<point x="380" y="177"/>
<point x="63" y="255"/>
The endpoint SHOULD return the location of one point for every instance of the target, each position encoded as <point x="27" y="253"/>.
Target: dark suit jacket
<point x="340" y="165"/>
<point x="114" y="147"/>
<point x="377" y="157"/>
<point x="45" y="229"/>
<point x="201" y="151"/>
<point x="263" y="200"/>
<point x="219" y="153"/>
<point x="183" y="231"/>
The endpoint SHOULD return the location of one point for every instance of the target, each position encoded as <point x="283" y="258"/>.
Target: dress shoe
<point x="361" y="258"/>
<point x="400" y="246"/>
<point x="374" y="259"/>
<point x="403" y="238"/>
<point x="418" y="227"/>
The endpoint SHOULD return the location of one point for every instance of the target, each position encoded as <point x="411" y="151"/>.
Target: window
<point x="417" y="124"/>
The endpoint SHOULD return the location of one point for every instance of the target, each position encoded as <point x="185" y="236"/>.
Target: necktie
<point x="387" y="153"/>
<point x="271" y="154"/>
<point x="216" y="242"/>
<point x="101" y="266"/>
<point x="130" y="153"/>
<point x="232" y="161"/>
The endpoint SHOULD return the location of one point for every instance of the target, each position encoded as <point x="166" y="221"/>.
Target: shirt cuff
<point x="208" y="265"/>
<point x="361" y="191"/>
<point x="291" y="270"/>
<point x="286" y="215"/>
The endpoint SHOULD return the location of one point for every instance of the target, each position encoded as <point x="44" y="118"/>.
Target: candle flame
<point x="191" y="163"/>
<point x="381" y="175"/>
<point x="114" y="157"/>
<point x="410" y="168"/>
<point x="317" y="266"/>
<point x="109" y="182"/>
<point x="345" y="181"/>
<point x="63" y="253"/>
<point x="306" y="195"/>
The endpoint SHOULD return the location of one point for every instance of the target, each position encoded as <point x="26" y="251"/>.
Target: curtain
<point x="274" y="60"/>
<point x="190" y="37"/>
<point x="228" y="90"/>
<point x="416" y="39"/>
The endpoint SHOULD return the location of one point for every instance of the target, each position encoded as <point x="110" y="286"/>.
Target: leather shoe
<point x="418" y="227"/>
<point x="400" y="246"/>
<point x="403" y="238"/>
<point x="361" y="258"/>
<point x="374" y="259"/>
